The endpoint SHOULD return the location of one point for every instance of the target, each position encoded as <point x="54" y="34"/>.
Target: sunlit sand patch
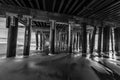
<point x="32" y="54"/>
<point x="88" y="56"/>
<point x="3" y="57"/>
<point x="96" y="59"/>
<point x="112" y="56"/>
<point x="51" y="54"/>
<point x="77" y="55"/>
<point x="19" y="56"/>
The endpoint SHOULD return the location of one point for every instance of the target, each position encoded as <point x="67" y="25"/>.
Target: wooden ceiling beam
<point x="98" y="8"/>
<point x="67" y="6"/>
<point x="39" y="23"/>
<point x="6" y="2"/>
<point x="113" y="10"/>
<point x="31" y="4"/>
<point x="110" y="17"/>
<point x="23" y="3"/>
<point x="54" y="3"/>
<point x="83" y="1"/>
<point x="11" y="1"/>
<point x="110" y="12"/>
<point x="108" y="8"/>
<point x="71" y="8"/>
<point x="40" y="29"/>
<point x="111" y="6"/>
<point x="61" y="4"/>
<point x="36" y="23"/>
<point x="38" y="5"/>
<point x="92" y="2"/>
<point x="44" y="5"/>
<point x="18" y="3"/>
<point x="36" y="14"/>
<point x="3" y="2"/>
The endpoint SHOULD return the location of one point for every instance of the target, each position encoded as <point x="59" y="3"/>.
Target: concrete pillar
<point x="100" y="41"/>
<point x="117" y="40"/>
<point x="41" y="41"/>
<point x="77" y="43"/>
<point x="70" y="38"/>
<point x="67" y="38"/>
<point x="12" y="35"/>
<point x="27" y="38"/>
<point x="73" y="42"/>
<point x="111" y="36"/>
<point x="106" y="40"/>
<point x="59" y="41"/>
<point x="80" y="41"/>
<point x="52" y="37"/>
<point x="36" y="35"/>
<point x="92" y="41"/>
<point x="55" y="43"/>
<point x="66" y="42"/>
<point x="88" y="41"/>
<point x="84" y="39"/>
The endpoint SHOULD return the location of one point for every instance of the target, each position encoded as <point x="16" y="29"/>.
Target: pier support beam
<point x="36" y="34"/>
<point x="117" y="40"/>
<point x="106" y="40"/>
<point x="27" y="37"/>
<point x="80" y="42"/>
<point x="52" y="37"/>
<point x="92" y="41"/>
<point x="112" y="41"/>
<point x="77" y="43"/>
<point x="41" y="42"/>
<point x="12" y="35"/>
<point x="70" y="37"/>
<point x="84" y="39"/>
<point x="100" y="41"/>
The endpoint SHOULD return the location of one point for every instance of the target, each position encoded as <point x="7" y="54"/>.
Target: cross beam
<point x="36" y="14"/>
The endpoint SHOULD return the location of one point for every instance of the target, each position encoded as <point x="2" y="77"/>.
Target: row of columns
<point x="39" y="41"/>
<point x="12" y="25"/>
<point x="105" y="35"/>
<point x="103" y="38"/>
<point x="61" y="41"/>
<point x="76" y="41"/>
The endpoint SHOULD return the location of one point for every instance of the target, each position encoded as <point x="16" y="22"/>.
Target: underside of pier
<point x="59" y="40"/>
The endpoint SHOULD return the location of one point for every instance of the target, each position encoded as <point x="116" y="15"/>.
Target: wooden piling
<point x="12" y="36"/>
<point x="27" y="38"/>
